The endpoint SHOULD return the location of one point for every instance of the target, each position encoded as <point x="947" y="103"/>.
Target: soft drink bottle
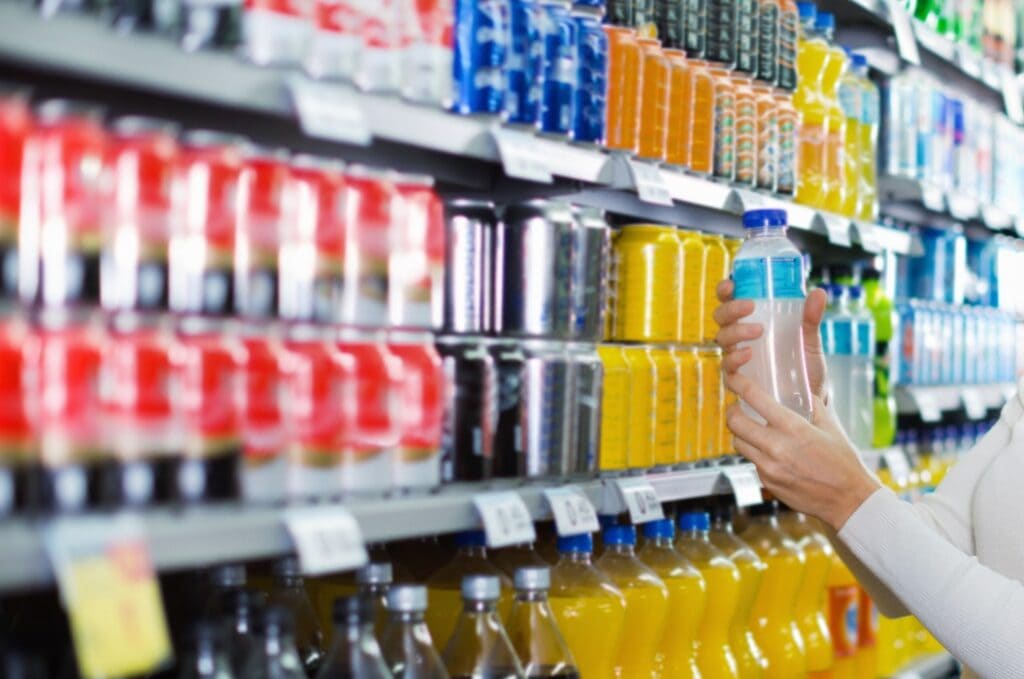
<point x="809" y="103"/>
<point x="862" y="375"/>
<point x="881" y="307"/>
<point x="769" y="270"/>
<point x="871" y="113"/>
<point x="239" y="609"/>
<point x="532" y="628"/>
<point x="843" y="606"/>
<point x="274" y="655"/>
<point x="511" y="559"/>
<point x="206" y="655"/>
<point x="288" y="590"/>
<point x="479" y="647"/>
<point x="355" y="653"/>
<point x="838" y="333"/>
<point x="406" y="644"/>
<point x="810" y="606"/>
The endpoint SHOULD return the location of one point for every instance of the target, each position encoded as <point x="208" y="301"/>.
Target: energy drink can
<point x="261" y="188"/>
<point x="712" y="400"/>
<point x="548" y="409"/>
<point x="380" y="58"/>
<point x="670" y="18"/>
<point x="524" y="67"/>
<point x="643" y="312"/>
<point x="19" y="455"/>
<point x="666" y="406"/>
<point x="427" y="55"/>
<point x="336" y="41"/>
<point x="643" y="382"/>
<point x="470" y="409"/>
<point x="480" y="53"/>
<point x="417" y="462"/>
<point x="692" y="294"/>
<point x="469" y="267"/>
<point x="716" y="270"/>
<point x="276" y="31"/>
<point x="509" y="428"/>
<point x="265" y="425"/>
<point x="586" y="388"/>
<point x="15" y="125"/>
<point x="416" y="263"/>
<point x="691" y="404"/>
<point x="205" y="25"/>
<point x="369" y="223"/>
<point x="616" y="397"/>
<point x="558" y="35"/>
<point x="588" y="284"/>
<point x="591" y="85"/>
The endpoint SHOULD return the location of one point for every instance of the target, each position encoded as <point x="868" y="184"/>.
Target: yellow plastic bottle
<point x="690" y="402"/>
<point x="774" y="619"/>
<point x="812" y="52"/>
<point x="692" y="312"/>
<point x="844" y="619"/>
<point x="511" y="559"/>
<point x="687" y="597"/>
<point x="666" y="406"/>
<point x="851" y="101"/>
<point x="646" y="602"/>
<point x="867" y="185"/>
<point x="834" y="172"/>
<point x="643" y="381"/>
<point x="810" y="609"/>
<point x="749" y="658"/>
<point x="589" y="609"/>
<point x="715" y="657"/>
<point x="444" y="587"/>
<point x="615" y="398"/>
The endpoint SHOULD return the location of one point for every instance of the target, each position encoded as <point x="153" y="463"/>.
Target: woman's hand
<point x="810" y="466"/>
<point x="732" y="332"/>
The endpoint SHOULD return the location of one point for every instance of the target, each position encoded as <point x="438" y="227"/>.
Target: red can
<point x="15" y="125"/>
<point x="62" y="207"/>
<point x="140" y="155"/>
<point x="369" y="216"/>
<point x="312" y="246"/>
<point x="377" y="426"/>
<point x="416" y="264"/>
<point x="141" y="413"/>
<point x="417" y="461"/>
<point x="427" y="52"/>
<point x="380" y="62"/>
<point x="337" y="39"/>
<point x="204" y="216"/>
<point x="211" y="386"/>
<point x="277" y="31"/>
<point x="265" y="430"/>
<point x="19" y="352"/>
<point x="258" y="236"/>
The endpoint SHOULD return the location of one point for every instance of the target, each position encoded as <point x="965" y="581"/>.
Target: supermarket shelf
<point x="195" y="537"/>
<point x="934" y="200"/>
<point x="937" y="666"/>
<point x="930" y="402"/>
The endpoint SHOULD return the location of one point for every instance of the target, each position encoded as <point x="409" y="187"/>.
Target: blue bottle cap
<point x="576" y="543"/>
<point x="471" y="538"/>
<point x="855" y="292"/>
<point x="859" y="60"/>
<point x="662" y="528"/>
<point x="699" y="521"/>
<point x="607" y="520"/>
<point x="760" y="219"/>
<point x="807" y="10"/>
<point x="619" y="535"/>
<point x="825" y="21"/>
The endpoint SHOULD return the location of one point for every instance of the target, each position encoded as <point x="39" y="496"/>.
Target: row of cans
<point x="534" y="269"/>
<point x="687" y="267"/>
<point x="135" y="218"/>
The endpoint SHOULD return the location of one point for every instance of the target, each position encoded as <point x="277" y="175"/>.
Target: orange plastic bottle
<point x="766" y="132"/>
<point x="654" y="78"/>
<point x="725" y="124"/>
<point x="702" y="113"/>
<point x="746" y="130"/>
<point x="843" y="619"/>
<point x="677" y="140"/>
<point x="624" y="64"/>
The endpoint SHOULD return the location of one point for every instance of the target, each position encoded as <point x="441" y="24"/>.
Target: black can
<point x="469" y="267"/>
<point x="509" y="363"/>
<point x="620" y="12"/>
<point x="587" y="385"/>
<point x="204" y="24"/>
<point x="720" y="30"/>
<point x="670" y="18"/>
<point x="467" y="439"/>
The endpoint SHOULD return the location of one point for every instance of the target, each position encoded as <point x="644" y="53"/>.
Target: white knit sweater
<point x="955" y="558"/>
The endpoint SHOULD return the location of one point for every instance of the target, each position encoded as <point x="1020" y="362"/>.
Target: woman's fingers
<point x="735" y="358"/>
<point x="735" y="333"/>
<point x="814" y="311"/>
<point x="730" y="312"/>
<point x="724" y="290"/>
<point x="764" y="405"/>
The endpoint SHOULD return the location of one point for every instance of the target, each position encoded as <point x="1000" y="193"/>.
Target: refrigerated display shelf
<point x="933" y="200"/>
<point x="84" y="48"/>
<point x="937" y="666"/>
<point x="931" y="401"/>
<point x="192" y="537"/>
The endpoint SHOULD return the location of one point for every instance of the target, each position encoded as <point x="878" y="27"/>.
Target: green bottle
<point x="881" y="308"/>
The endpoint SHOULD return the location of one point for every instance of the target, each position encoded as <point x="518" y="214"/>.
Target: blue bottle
<point x="524" y="63"/>
<point x="479" y="54"/>
<point x="558" y="33"/>
<point x="591" y="76"/>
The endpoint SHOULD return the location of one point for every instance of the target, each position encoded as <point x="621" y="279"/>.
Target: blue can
<point x="591" y="76"/>
<point x="907" y="347"/>
<point x="480" y="49"/>
<point x="558" y="32"/>
<point x="525" y="63"/>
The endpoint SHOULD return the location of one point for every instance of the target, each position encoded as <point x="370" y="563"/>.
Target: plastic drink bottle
<point x="862" y="372"/>
<point x="715" y="657"/>
<point x="479" y="647"/>
<point x="371" y="581"/>
<point x="646" y="602"/>
<point x="851" y="101"/>
<point x="589" y="609"/>
<point x="239" y="609"/>
<point x="867" y="637"/>
<point x="884" y="313"/>
<point x="287" y="590"/>
<point x="355" y="652"/>
<point x="205" y="656"/>
<point x="810" y="608"/>
<point x="774" y="620"/>
<point x="532" y="628"/>
<point x="687" y="597"/>
<point x="812" y="52"/>
<point x="749" y="657"/>
<point x="445" y="585"/>
<point x="837" y="340"/>
<point x="834" y="171"/>
<point x="511" y="559"/>
<point x="406" y="644"/>
<point x="843" y="619"/>
<point x="871" y="113"/>
<point x="274" y="655"/>
<point x="769" y="270"/>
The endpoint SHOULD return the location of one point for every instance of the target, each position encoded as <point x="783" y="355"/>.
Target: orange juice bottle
<point x="702" y="118"/>
<point x="810" y="608"/>
<point x="623" y="89"/>
<point x="692" y="297"/>
<point x="691" y="403"/>
<point x="712" y="401"/>
<point x="615" y="397"/>
<point x="715" y="657"/>
<point x="834" y="170"/>
<point x="725" y="124"/>
<point x="812" y="53"/>
<point x="851" y="100"/>
<point x="677" y="138"/>
<point x="666" y="406"/>
<point x="640" y="447"/>
<point x="843" y="619"/>
<point x="654" y="76"/>
<point x="746" y="130"/>
<point x="766" y="132"/>
<point x="748" y="655"/>
<point x="716" y="270"/>
<point x="774" y="619"/>
<point x="642" y="253"/>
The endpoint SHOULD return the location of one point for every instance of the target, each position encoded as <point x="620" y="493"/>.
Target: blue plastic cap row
<point x="619" y="535"/>
<point x="699" y="521"/>
<point x="576" y="543"/>
<point x="662" y="528"/>
<point x="471" y="538"/>
<point x="760" y="219"/>
<point x="808" y="10"/>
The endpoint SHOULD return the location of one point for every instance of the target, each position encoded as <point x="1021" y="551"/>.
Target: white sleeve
<point x="976" y="613"/>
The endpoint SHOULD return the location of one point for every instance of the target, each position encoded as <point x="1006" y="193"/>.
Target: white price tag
<point x="927" y="406"/>
<point x="933" y="198"/>
<point x="506" y="518"/>
<point x="838" y="229"/>
<point x="327" y="539"/>
<point x="906" y="42"/>
<point x="573" y="512"/>
<point x="650" y="184"/>
<point x="1011" y="96"/>
<point x="974" y="404"/>
<point x="969" y="60"/>
<point x="868" y="236"/>
<point x="329" y="111"/>
<point x="520" y="155"/>
<point x="641" y="500"/>
<point x="897" y="464"/>
<point x="745" y="484"/>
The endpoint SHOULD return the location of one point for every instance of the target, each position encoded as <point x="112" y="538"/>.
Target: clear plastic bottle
<point x="862" y="372"/>
<point x="274" y="655"/>
<point x="406" y="644"/>
<point x="871" y="114"/>
<point x="768" y="270"/>
<point x="851" y="101"/>
<point x="838" y="342"/>
<point x="479" y="647"/>
<point x="511" y="559"/>
<point x="288" y="590"/>
<point x="239" y="610"/>
<point x="206" y="655"/>
<point x="373" y="581"/>
<point x="355" y="653"/>
<point x="533" y="630"/>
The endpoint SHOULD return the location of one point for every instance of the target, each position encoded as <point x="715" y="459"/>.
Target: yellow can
<point x="666" y="406"/>
<point x="692" y="296"/>
<point x="615" y="403"/>
<point x="689" y="403"/>
<point x="646" y="283"/>
<point x="716" y="269"/>
<point x="642" y="381"/>
<point x="712" y="402"/>
<point x="732" y="245"/>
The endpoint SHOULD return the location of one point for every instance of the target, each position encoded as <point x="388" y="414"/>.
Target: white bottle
<point x="862" y="378"/>
<point x="837" y="341"/>
<point x="769" y="270"/>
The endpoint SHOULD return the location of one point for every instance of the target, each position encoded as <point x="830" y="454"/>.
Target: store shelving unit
<point x="929" y="402"/>
<point x="937" y="666"/>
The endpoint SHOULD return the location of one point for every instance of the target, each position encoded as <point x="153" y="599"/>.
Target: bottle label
<point x="769" y="278"/>
<point x="843" y="619"/>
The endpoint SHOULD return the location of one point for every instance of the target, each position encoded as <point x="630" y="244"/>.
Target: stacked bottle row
<point x="989" y="28"/>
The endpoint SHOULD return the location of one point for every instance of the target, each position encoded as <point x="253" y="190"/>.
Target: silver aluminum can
<point x="509" y="364"/>
<point x="547" y="409"/>
<point x="467" y="437"/>
<point x="591" y="243"/>
<point x="469" y="267"/>
<point x="533" y="252"/>
<point x="586" y="383"/>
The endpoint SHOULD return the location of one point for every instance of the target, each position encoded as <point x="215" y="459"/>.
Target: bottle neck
<point x="723" y="525"/>
<point x="578" y="557"/>
<point x="288" y="581"/>
<point x="531" y="595"/>
<point x="373" y="590"/>
<point x="622" y="550"/>
<point x="407" y="617"/>
<point x="697" y="534"/>
<point x="765" y="232"/>
<point x="480" y="607"/>
<point x="766" y="520"/>
<point x="662" y="541"/>
<point x="354" y="630"/>
<point x="473" y="551"/>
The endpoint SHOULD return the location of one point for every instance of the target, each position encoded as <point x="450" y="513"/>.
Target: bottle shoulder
<point x="570" y="578"/>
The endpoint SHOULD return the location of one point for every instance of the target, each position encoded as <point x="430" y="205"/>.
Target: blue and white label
<point x="769" y="278"/>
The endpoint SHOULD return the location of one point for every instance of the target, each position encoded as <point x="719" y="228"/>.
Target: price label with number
<point x="572" y="510"/>
<point x="327" y="539"/>
<point x="650" y="183"/>
<point x="906" y="41"/>
<point x="974" y="404"/>
<point x="897" y="464"/>
<point x="109" y="588"/>
<point x="506" y="518"/>
<point x="745" y="484"/>
<point x="329" y="111"/>
<point x="641" y="500"/>
<point x="520" y="156"/>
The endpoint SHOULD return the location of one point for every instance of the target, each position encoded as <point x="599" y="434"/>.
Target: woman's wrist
<point x="855" y="495"/>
